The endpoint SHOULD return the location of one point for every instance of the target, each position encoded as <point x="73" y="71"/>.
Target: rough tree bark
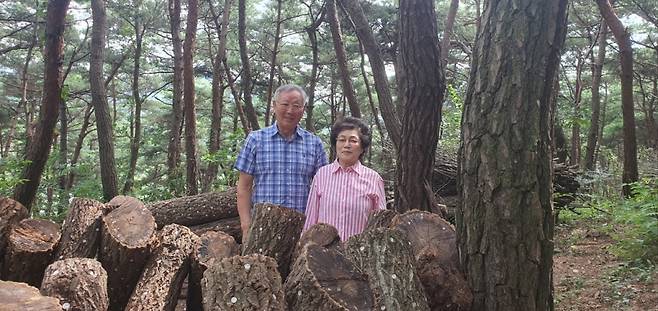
<point x="11" y="213"/>
<point x="323" y="279"/>
<point x="341" y="58"/>
<point x="597" y="70"/>
<point x="163" y="275"/>
<point x="274" y="232"/>
<point x="30" y="248"/>
<point x="505" y="221"/>
<point x="39" y="147"/>
<point x="230" y="226"/>
<point x="243" y="283"/>
<point x="311" y="31"/>
<point x="249" y="110"/>
<point x="189" y="93"/>
<point x="422" y="89"/>
<point x="81" y="230"/>
<point x="321" y="234"/>
<point x="385" y="256"/>
<point x="176" y="120"/>
<point x="20" y="296"/>
<point x="79" y="282"/>
<point x="275" y="52"/>
<point x="623" y="38"/>
<point x="196" y="209"/>
<point x="127" y="232"/>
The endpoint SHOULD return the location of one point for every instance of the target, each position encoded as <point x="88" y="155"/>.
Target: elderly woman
<point x="345" y="193"/>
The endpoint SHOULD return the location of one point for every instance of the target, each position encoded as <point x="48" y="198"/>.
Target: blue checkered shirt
<point x="282" y="169"/>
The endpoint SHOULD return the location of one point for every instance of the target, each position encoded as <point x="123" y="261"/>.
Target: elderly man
<point x="277" y="163"/>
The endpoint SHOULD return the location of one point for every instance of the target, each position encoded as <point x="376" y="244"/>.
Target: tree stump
<point x="20" y="296"/>
<point x="81" y="230"/>
<point x="160" y="284"/>
<point x="274" y="232"/>
<point x="245" y="283"/>
<point x="195" y="209"/>
<point x="31" y="246"/>
<point x="11" y="212"/>
<point x="433" y="242"/>
<point x="385" y="256"/>
<point x="214" y="246"/>
<point x="323" y="279"/>
<point x="126" y="234"/>
<point x="380" y="219"/>
<point x="321" y="234"/>
<point x="231" y="226"/>
<point x="79" y="282"/>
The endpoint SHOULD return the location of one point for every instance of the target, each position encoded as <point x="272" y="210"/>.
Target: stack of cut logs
<point x="182" y="254"/>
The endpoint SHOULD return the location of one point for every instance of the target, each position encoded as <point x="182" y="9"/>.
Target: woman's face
<point x="348" y="147"/>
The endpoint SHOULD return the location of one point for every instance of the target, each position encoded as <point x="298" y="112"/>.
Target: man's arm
<point x="244" y="189"/>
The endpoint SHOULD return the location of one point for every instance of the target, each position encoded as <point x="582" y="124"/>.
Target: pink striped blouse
<point x="344" y="198"/>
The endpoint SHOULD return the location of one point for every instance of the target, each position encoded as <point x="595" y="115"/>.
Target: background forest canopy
<point x="286" y="42"/>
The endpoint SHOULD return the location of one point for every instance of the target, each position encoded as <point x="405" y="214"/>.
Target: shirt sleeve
<point x="312" y="205"/>
<point x="246" y="161"/>
<point x="380" y="194"/>
<point x="321" y="159"/>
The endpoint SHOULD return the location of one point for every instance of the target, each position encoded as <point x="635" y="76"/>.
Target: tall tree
<point x="312" y="32"/>
<point x="176" y="120"/>
<point x="623" y="38"/>
<point x="99" y="101"/>
<point x="249" y="110"/>
<point x="189" y="94"/>
<point x="597" y="69"/>
<point x="39" y="148"/>
<point x="422" y="89"/>
<point x="341" y="58"/>
<point x="505" y="219"/>
<point x="275" y="51"/>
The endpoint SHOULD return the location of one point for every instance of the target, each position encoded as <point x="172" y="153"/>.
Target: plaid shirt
<point x="282" y="169"/>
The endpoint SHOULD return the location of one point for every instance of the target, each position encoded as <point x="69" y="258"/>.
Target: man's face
<point x="288" y="110"/>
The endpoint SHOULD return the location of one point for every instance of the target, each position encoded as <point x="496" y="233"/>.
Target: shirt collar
<point x="357" y="167"/>
<point x="274" y="129"/>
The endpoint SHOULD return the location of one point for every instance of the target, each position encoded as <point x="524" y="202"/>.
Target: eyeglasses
<point x="295" y="107"/>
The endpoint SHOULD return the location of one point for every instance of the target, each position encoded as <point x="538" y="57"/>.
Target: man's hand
<point x="244" y="188"/>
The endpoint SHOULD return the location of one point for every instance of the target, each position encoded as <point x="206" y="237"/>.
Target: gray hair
<point x="289" y="88"/>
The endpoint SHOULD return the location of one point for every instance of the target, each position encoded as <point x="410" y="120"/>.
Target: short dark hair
<point x="351" y="123"/>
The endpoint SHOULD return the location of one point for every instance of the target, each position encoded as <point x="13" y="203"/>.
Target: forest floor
<point x="588" y="276"/>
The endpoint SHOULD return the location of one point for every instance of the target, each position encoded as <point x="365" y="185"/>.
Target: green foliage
<point x="451" y="117"/>
<point x="225" y="158"/>
<point x="10" y="170"/>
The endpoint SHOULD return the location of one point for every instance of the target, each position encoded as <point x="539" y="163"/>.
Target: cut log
<point x="243" y="283"/>
<point x="274" y="232"/>
<point x="20" y="296"/>
<point x="214" y="246"/>
<point x="195" y="209"/>
<point x="161" y="281"/>
<point x="323" y="279"/>
<point x="386" y="257"/>
<point x="230" y="226"/>
<point x="11" y="212"/>
<point x="380" y="219"/>
<point x="79" y="282"/>
<point x="122" y="200"/>
<point x="81" y="230"/>
<point x="30" y="249"/>
<point x="321" y="234"/>
<point x="433" y="242"/>
<point x="126" y="234"/>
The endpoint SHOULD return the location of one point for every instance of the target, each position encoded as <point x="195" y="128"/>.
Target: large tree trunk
<point x="11" y="213"/>
<point x="79" y="282"/>
<point x="39" y="148"/>
<point x="341" y="58"/>
<point x="311" y="31"/>
<point x="575" y="125"/>
<point x="323" y="279"/>
<point x="30" y="249"/>
<point x="163" y="275"/>
<point x="127" y="233"/>
<point x="176" y="120"/>
<point x="20" y="296"/>
<point x="597" y="70"/>
<point x="188" y="91"/>
<point x="447" y="33"/>
<point x="364" y="31"/>
<point x="212" y="248"/>
<point x="245" y="79"/>
<point x="274" y="232"/>
<point x="505" y="222"/>
<point x="623" y="38"/>
<point x="196" y="209"/>
<point x="81" y="229"/>
<point x="244" y="283"/>
<point x="423" y="88"/>
<point x="385" y="256"/>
